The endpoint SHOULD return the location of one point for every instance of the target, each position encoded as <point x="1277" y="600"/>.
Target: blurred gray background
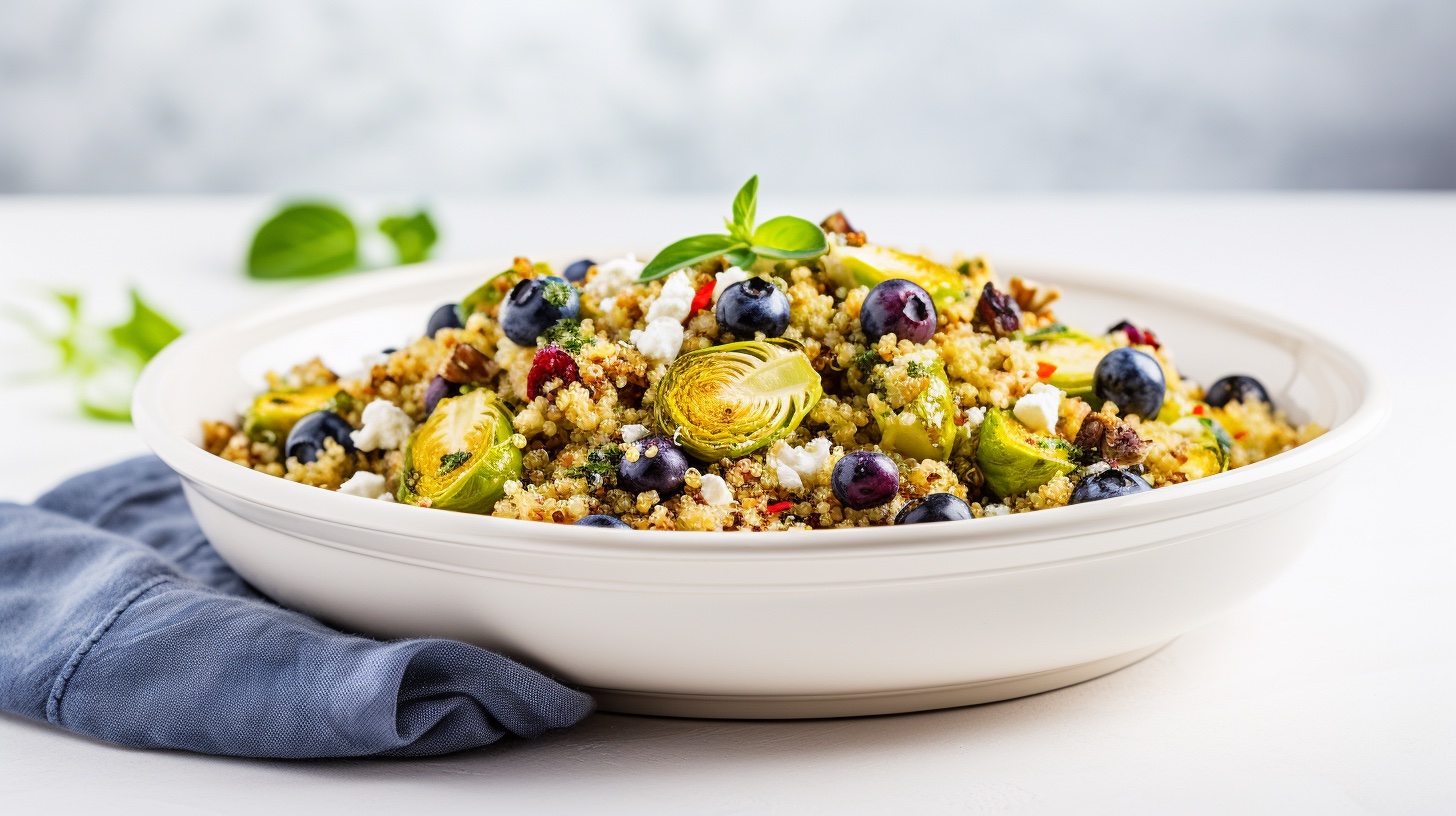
<point x="537" y="97"/>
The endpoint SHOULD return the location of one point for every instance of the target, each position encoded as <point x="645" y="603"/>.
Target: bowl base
<point x="812" y="706"/>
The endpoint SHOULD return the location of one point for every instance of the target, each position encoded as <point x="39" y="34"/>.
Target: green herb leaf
<point x="451" y="462"/>
<point x="147" y="332"/>
<point x="687" y="252"/>
<point x="413" y="235"/>
<point x="566" y="333"/>
<point x="789" y="238"/>
<point x="741" y="258"/>
<point x="745" y="210"/>
<point x="556" y="293"/>
<point x="303" y="240"/>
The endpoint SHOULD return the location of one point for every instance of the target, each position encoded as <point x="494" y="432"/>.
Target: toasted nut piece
<point x="1032" y="296"/>
<point x="837" y="223"/>
<point x="467" y="365"/>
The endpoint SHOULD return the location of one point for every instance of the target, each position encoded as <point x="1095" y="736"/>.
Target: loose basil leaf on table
<point x="304" y="240"/>
<point x="147" y="332"/>
<point x="413" y="235"/>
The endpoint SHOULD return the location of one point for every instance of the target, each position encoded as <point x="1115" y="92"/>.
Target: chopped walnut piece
<point x="837" y="223"/>
<point x="1032" y="296"/>
<point x="1121" y="446"/>
<point x="998" y="311"/>
<point x="467" y="365"/>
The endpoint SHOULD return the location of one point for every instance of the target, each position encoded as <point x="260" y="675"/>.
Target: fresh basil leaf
<point x="105" y="393"/>
<point x="687" y="252"/>
<point x="789" y="238"/>
<point x="741" y="258"/>
<point x="303" y="240"/>
<point x="413" y="235"/>
<point x="147" y="332"/>
<point x="745" y="209"/>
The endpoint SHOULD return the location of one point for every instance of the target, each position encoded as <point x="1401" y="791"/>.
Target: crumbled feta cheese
<point x="727" y="278"/>
<point x="793" y="465"/>
<point x="660" y="341"/>
<point x="716" y="491"/>
<point x="614" y="276"/>
<point x="1038" y="410"/>
<point x="993" y="510"/>
<point x="1094" y="469"/>
<point x="675" y="301"/>
<point x="632" y="433"/>
<point x="975" y="416"/>
<point x="366" y="484"/>
<point x="1189" y="426"/>
<point x="386" y="427"/>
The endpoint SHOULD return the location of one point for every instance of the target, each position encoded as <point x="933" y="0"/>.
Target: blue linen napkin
<point x="119" y="621"/>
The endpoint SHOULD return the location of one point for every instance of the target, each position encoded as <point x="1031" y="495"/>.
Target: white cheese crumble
<point x="386" y="427"/>
<point x="1038" y="410"/>
<point x="1094" y="469"/>
<point x="993" y="510"/>
<point x="632" y="433"/>
<point x="660" y="341"/>
<point x="975" y="416"/>
<point x="614" y="276"/>
<point x="793" y="465"/>
<point x="366" y="484"/>
<point x="727" y="278"/>
<point x="716" y="491"/>
<point x="675" y="301"/>
<point x="1188" y="426"/>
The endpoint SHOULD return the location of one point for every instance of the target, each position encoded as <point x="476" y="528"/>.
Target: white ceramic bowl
<point x="806" y="624"/>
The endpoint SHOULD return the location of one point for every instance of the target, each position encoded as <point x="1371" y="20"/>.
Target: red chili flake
<point x="1198" y="409"/>
<point x="779" y="506"/>
<point x="550" y="363"/>
<point x="703" y="297"/>
<point x="1241" y="434"/>
<point x="1044" y="370"/>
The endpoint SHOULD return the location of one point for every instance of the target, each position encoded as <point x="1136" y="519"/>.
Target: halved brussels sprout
<point x="923" y="428"/>
<point x="871" y="265"/>
<point x="733" y="399"/>
<point x="461" y="458"/>
<point x="1208" y="448"/>
<point x="273" y="415"/>
<point x="1056" y="331"/>
<point x="1014" y="459"/>
<point x="1075" y="359"/>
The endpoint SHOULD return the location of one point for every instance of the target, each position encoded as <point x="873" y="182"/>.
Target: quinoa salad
<point x="782" y="375"/>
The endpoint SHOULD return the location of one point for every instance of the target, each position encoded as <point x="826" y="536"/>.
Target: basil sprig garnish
<point x="313" y="238"/>
<point x="785" y="238"/>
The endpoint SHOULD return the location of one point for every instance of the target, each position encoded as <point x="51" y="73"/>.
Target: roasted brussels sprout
<point x="462" y="456"/>
<point x="872" y="265"/>
<point x="273" y="415"/>
<point x="733" y="399"/>
<point x="1014" y="459"/>
<point x="924" y="427"/>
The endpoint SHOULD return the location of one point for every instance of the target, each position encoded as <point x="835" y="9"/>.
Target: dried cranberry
<point x="550" y="363"/>
<point x="1089" y="436"/>
<point x="998" y="311"/>
<point x="1137" y="336"/>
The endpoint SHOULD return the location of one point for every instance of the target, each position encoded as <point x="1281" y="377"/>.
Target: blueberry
<point x="754" y="305"/>
<point x="1133" y="380"/>
<point x="864" y="479"/>
<point x="576" y="273"/>
<point x="663" y="472"/>
<point x="600" y="520"/>
<point x="534" y="305"/>
<point x="438" y="389"/>
<point x="935" y="507"/>
<point x="1109" y="484"/>
<point x="445" y="317"/>
<point x="308" y="435"/>
<point x="1236" y="388"/>
<point x="899" y="307"/>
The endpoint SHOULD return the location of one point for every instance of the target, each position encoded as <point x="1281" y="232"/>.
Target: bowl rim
<point x="196" y="465"/>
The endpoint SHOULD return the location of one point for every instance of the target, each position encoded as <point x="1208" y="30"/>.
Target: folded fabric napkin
<point x="119" y="621"/>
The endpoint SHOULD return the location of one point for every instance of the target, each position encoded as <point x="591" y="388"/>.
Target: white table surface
<point x="1332" y="692"/>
